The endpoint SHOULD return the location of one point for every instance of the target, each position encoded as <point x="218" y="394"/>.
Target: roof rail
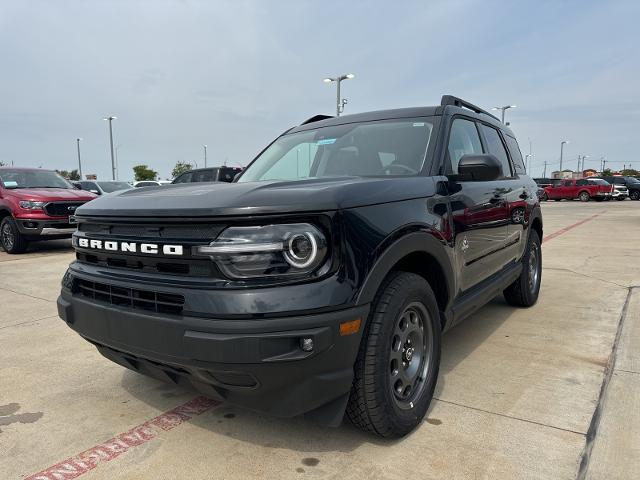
<point x="316" y="118"/>
<point x="458" y="102"/>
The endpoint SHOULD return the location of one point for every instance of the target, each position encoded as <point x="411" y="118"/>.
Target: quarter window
<point x="463" y="140"/>
<point x="496" y="148"/>
<point x="516" y="155"/>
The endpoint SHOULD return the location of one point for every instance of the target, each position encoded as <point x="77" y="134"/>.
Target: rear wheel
<point x="584" y="196"/>
<point x="10" y="237"/>
<point x="525" y="290"/>
<point x="397" y="367"/>
<point x="634" y="195"/>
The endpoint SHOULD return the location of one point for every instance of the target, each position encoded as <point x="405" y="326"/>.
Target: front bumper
<point x="54" y="227"/>
<point x="256" y="363"/>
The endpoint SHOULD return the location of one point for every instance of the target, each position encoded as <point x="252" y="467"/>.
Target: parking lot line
<point x="81" y="463"/>
<point x="564" y="230"/>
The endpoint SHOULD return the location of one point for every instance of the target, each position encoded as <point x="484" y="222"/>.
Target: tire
<point x="525" y="290"/>
<point x="404" y="300"/>
<point x="584" y="196"/>
<point x="10" y="237"/>
<point x="634" y="195"/>
<point x="544" y="197"/>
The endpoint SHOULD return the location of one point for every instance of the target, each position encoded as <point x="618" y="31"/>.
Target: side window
<point x="463" y="140"/>
<point x="568" y="183"/>
<point x="203" y="176"/>
<point x="618" y="180"/>
<point x="556" y="183"/>
<point x="495" y="147"/>
<point x="581" y="182"/>
<point x="516" y="155"/>
<point x="184" y="178"/>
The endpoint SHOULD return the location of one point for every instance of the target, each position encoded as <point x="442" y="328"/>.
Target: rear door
<point x="479" y="209"/>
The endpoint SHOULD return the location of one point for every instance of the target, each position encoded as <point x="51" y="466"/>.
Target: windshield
<point x="32" y="179"/>
<point x="109" y="187"/>
<point x="632" y="180"/>
<point x="381" y="148"/>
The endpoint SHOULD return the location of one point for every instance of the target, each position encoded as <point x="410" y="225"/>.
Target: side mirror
<point x="479" y="168"/>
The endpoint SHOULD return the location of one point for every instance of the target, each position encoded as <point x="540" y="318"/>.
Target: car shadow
<point x="301" y="434"/>
<point x="46" y="246"/>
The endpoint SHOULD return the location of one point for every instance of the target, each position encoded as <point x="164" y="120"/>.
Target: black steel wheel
<point x="11" y="239"/>
<point x="525" y="290"/>
<point x="397" y="367"/>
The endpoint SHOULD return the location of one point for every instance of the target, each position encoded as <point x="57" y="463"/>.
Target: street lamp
<point x="561" y="151"/>
<point x="526" y="162"/>
<point x="79" y="162"/>
<point x="583" y="158"/>
<point x="205" y="155"/>
<point x="503" y="109"/>
<point x="110" y="118"/>
<point x="340" y="103"/>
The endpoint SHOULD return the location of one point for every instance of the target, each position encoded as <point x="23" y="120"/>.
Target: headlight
<point x="30" y="205"/>
<point x="267" y="251"/>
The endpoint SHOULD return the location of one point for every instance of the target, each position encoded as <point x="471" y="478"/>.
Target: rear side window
<point x="203" y="176"/>
<point x="463" y="140"/>
<point x="495" y="147"/>
<point x="568" y="183"/>
<point x="516" y="155"/>
<point x="581" y="182"/>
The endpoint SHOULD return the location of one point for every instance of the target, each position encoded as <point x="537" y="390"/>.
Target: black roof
<point x="449" y="105"/>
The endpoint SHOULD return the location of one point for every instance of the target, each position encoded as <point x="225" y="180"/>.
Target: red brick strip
<point x="105" y="452"/>
<point x="564" y="230"/>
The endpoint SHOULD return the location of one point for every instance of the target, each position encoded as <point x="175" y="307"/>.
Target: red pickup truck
<point x="36" y="204"/>
<point x="579" y="188"/>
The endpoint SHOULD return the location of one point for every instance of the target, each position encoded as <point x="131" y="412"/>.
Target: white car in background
<point x="151" y="183"/>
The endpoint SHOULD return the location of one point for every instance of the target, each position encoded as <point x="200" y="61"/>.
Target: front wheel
<point x="10" y="237"/>
<point x="634" y="195"/>
<point x="525" y="290"/>
<point x="397" y="366"/>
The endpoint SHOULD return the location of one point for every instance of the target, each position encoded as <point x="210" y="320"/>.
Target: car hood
<point x="254" y="198"/>
<point x="51" y="194"/>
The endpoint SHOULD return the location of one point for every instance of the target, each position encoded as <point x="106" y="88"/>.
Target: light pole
<point x="111" y="118"/>
<point x="503" y="109"/>
<point x="205" y="155"/>
<point x="340" y="103"/>
<point x="117" y="163"/>
<point x="562" y="151"/>
<point x="79" y="162"/>
<point x="583" y="158"/>
<point x="526" y="162"/>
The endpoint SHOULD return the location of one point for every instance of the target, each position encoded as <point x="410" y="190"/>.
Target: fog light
<point x="306" y="344"/>
<point x="30" y="225"/>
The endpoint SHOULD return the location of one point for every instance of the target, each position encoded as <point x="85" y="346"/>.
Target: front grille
<point x="157" y="231"/>
<point x="192" y="268"/>
<point x="158" y="302"/>
<point x="61" y="209"/>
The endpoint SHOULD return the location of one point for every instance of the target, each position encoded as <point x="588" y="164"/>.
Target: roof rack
<point x="316" y="118"/>
<point x="458" y="102"/>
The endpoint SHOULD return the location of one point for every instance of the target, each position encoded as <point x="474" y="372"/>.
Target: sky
<point x="235" y="74"/>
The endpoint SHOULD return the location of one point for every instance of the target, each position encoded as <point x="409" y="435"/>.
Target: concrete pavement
<point x="516" y="396"/>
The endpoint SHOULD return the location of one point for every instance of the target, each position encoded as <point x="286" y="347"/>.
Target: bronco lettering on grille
<point x="132" y="247"/>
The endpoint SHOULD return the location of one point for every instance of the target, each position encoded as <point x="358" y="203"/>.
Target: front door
<point x="479" y="210"/>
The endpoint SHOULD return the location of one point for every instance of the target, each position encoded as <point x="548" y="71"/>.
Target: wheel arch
<point x="420" y="253"/>
<point x="4" y="213"/>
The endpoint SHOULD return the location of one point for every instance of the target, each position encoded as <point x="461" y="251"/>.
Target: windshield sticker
<point x="326" y="141"/>
<point x="10" y="183"/>
<point x="418" y="124"/>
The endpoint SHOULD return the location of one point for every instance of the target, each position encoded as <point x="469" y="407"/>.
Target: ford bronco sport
<point x="321" y="280"/>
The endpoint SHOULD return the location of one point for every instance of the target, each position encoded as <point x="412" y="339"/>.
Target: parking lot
<point x="548" y="392"/>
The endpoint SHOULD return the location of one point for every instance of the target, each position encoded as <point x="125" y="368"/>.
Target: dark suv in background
<point x="632" y="184"/>
<point x="320" y="281"/>
<point x="213" y="174"/>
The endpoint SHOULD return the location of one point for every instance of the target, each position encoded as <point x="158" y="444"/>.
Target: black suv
<point x="212" y="174"/>
<point x="632" y="184"/>
<point x="321" y="280"/>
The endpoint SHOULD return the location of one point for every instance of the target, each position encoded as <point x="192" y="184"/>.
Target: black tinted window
<point x="516" y="155"/>
<point x="184" y="178"/>
<point x="203" y="176"/>
<point x="568" y="183"/>
<point x="496" y="147"/>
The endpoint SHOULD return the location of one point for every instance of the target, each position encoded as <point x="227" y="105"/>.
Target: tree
<point x="143" y="172"/>
<point x="607" y="172"/>
<point x="74" y="175"/>
<point x="180" y="168"/>
<point x="2" y="164"/>
<point x="630" y="172"/>
<point x="63" y="173"/>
